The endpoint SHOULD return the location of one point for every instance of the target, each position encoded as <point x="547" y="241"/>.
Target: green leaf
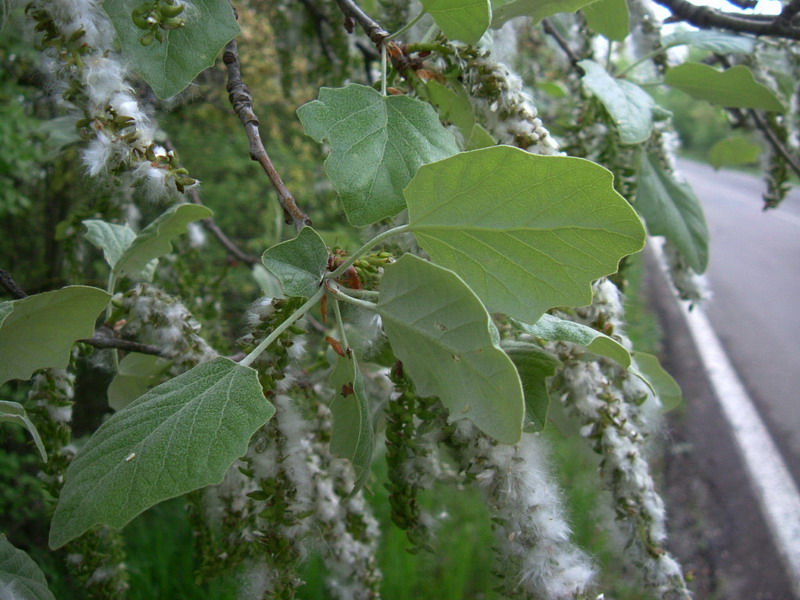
<point x="711" y="40"/>
<point x="112" y="239"/>
<point x="155" y="240"/>
<point x="534" y="366"/>
<point x="172" y="65"/>
<point x="40" y="330"/>
<point x="609" y="18"/>
<point x="454" y="106"/>
<point x="479" y="138"/>
<point x="377" y="144"/>
<point x="5" y="310"/>
<point x="13" y="412"/>
<point x="463" y="20"/>
<point x="666" y="388"/>
<point x="671" y="209"/>
<point x="180" y="436"/>
<point x="20" y="577"/>
<point x="526" y="232"/>
<point x="554" y="329"/>
<point x="136" y="374"/>
<point x="734" y="150"/>
<point x="628" y="104"/>
<point x="503" y="10"/>
<point x="352" y="436"/>
<point x="440" y="330"/>
<point x="734" y="88"/>
<point x="299" y="263"/>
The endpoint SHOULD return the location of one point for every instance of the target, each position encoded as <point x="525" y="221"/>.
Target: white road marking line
<point x="775" y="489"/>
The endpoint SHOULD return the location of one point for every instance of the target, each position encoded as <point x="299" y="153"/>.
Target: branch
<point x="211" y="225"/>
<point x="242" y="102"/>
<point x="7" y="281"/>
<point x="104" y="339"/>
<point x="771" y="136"/>
<point x="706" y="18"/>
<point x="789" y="12"/>
<point x="373" y="30"/>
<point x="562" y="43"/>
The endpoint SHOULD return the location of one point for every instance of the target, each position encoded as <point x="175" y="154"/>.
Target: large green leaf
<point x="178" y="437"/>
<point x="734" y="150"/>
<point x="172" y="65"/>
<point x="671" y="209"/>
<point x="14" y="412"/>
<point x="299" y="263"/>
<point x="526" y="232"/>
<point x="534" y="366"/>
<point x="136" y="374"/>
<point x="735" y="87"/>
<point x="112" y="239"/>
<point x="377" y="144"/>
<point x="463" y="20"/>
<point x="503" y="10"/>
<point x="20" y="577"/>
<point x="667" y="389"/>
<point x="554" y="329"/>
<point x="40" y="330"/>
<point x="628" y="104"/>
<point x="610" y="18"/>
<point x="155" y="240"/>
<point x="352" y="436"/>
<point x="440" y="331"/>
<point x="711" y="40"/>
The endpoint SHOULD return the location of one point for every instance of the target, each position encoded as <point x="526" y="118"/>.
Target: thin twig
<point x="242" y="102"/>
<point x="104" y="339"/>
<point x="769" y="134"/>
<point x="562" y="43"/>
<point x="7" y="281"/>
<point x="319" y="18"/>
<point x="229" y="245"/>
<point x="706" y="18"/>
<point x="373" y="30"/>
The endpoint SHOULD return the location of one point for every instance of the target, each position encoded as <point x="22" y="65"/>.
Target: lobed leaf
<point x="20" y="577"/>
<point x="155" y="240"/>
<point x="180" y="436"/>
<point x="39" y="331"/>
<point x="172" y="65"/>
<point x="630" y="106"/>
<point x="534" y="366"/>
<point x="377" y="144"/>
<point x="733" y="88"/>
<point x="352" y="436"/>
<point x="14" y="412"/>
<point x="463" y="20"/>
<point x="439" y="329"/>
<point x="552" y="328"/>
<point x="526" y="232"/>
<point x="671" y="209"/>
<point x="299" y="263"/>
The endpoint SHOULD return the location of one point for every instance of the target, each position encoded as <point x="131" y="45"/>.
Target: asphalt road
<point x="717" y="526"/>
<point x="754" y="274"/>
